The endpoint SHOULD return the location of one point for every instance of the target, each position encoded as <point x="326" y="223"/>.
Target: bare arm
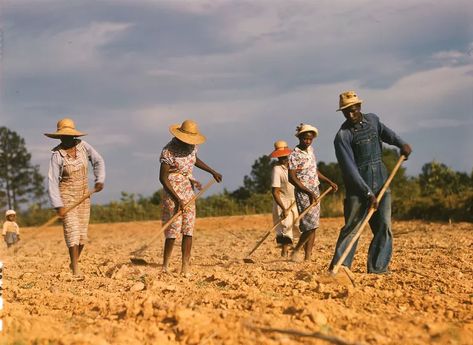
<point x="325" y="179"/>
<point x="276" y="192"/>
<point x="164" y="179"/>
<point x="298" y="184"/>
<point x="201" y="165"/>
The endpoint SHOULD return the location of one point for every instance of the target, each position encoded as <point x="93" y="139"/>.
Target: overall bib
<point x="73" y="186"/>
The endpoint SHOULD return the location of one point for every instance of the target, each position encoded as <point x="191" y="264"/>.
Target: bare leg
<point x="81" y="246"/>
<point x="305" y="237"/>
<point x="284" y="249"/>
<point x="309" y="245"/>
<point x="74" y="255"/>
<point x="168" y="246"/>
<point x="186" y="253"/>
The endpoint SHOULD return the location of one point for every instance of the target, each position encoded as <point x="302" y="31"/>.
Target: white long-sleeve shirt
<point x="55" y="172"/>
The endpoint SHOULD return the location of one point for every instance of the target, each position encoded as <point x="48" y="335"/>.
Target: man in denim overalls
<point x="358" y="146"/>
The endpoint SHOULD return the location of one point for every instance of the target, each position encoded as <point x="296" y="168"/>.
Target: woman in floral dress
<point x="304" y="175"/>
<point x="178" y="159"/>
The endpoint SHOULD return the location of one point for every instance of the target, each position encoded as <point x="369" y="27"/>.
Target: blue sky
<point x="247" y="71"/>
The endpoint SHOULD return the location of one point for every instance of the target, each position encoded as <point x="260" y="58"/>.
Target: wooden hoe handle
<point x="173" y="218"/>
<point x="77" y="203"/>
<point x="368" y="216"/>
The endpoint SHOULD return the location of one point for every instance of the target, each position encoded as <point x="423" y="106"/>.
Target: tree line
<point x="437" y="193"/>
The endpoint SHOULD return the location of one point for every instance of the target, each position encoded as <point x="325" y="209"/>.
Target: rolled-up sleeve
<point x="98" y="163"/>
<point x="275" y="178"/>
<point x="54" y="174"/>
<point x="346" y="161"/>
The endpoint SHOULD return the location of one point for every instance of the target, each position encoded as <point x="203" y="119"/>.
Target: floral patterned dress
<point x="305" y="165"/>
<point x="182" y="163"/>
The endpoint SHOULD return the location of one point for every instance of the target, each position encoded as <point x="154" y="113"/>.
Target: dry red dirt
<point x="428" y="298"/>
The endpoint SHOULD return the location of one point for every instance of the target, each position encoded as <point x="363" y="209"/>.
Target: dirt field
<point x="428" y="298"/>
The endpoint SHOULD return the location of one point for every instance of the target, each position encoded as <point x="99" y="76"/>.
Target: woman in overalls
<point x="177" y="159"/>
<point x="68" y="182"/>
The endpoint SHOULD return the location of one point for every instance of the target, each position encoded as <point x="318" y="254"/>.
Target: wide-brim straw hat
<point x="302" y="128"/>
<point x="280" y="149"/>
<point x="348" y="99"/>
<point x="188" y="132"/>
<point x="65" y="127"/>
<point x="10" y="213"/>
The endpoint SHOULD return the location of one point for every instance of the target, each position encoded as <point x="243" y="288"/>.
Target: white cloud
<point x="247" y="71"/>
<point x="424" y="96"/>
<point x="73" y="49"/>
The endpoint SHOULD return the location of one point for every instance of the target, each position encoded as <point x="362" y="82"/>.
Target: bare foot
<point x="295" y="257"/>
<point x="284" y="251"/>
<point x="165" y="269"/>
<point x="186" y="274"/>
<point x="185" y="271"/>
<point x="78" y="277"/>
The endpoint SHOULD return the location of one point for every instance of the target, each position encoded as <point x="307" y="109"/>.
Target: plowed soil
<point x="427" y="298"/>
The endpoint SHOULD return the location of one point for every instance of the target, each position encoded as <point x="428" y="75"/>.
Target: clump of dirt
<point x="427" y="299"/>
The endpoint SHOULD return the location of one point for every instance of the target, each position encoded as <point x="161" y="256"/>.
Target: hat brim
<point x="313" y="129"/>
<point x="65" y="133"/>
<point x="188" y="138"/>
<point x="58" y="136"/>
<point x="349" y="105"/>
<point x="280" y="153"/>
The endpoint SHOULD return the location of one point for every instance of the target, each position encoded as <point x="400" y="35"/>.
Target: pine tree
<point x="20" y="181"/>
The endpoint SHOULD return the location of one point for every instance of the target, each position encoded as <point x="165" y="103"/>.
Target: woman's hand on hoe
<point x="61" y="212"/>
<point x="196" y="185"/>
<point x="98" y="187"/>
<point x="312" y="197"/>
<point x="333" y="185"/>
<point x="217" y="176"/>
<point x="180" y="205"/>
<point x="284" y="214"/>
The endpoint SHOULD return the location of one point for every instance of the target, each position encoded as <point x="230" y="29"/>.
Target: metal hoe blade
<point x="139" y="261"/>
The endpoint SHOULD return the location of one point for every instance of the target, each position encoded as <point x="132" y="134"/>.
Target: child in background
<point x="11" y="230"/>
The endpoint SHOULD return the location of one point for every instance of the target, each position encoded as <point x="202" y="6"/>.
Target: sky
<point x="248" y="72"/>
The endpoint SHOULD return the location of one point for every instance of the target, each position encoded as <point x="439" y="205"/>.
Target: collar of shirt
<point x="282" y="166"/>
<point x="357" y="125"/>
<point x="308" y="152"/>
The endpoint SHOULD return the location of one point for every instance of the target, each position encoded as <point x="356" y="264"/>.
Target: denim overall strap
<point x="367" y="149"/>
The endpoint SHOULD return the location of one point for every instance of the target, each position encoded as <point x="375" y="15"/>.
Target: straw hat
<point x="9" y="213"/>
<point x="65" y="127"/>
<point x="280" y="149"/>
<point x="347" y="99"/>
<point x="302" y="128"/>
<point x="188" y="132"/>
